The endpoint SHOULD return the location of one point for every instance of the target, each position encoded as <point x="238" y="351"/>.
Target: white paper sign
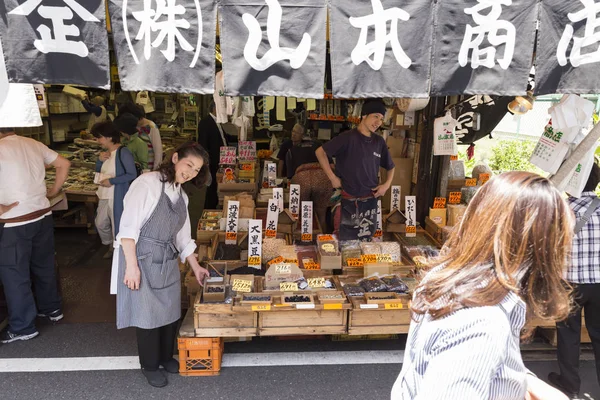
<point x="395" y="199"/>
<point x="255" y="243"/>
<point x="378" y="236"/>
<point x="233" y="213"/>
<point x="272" y="174"/>
<point x="228" y="155"/>
<point x="580" y="175"/>
<point x="444" y="141"/>
<point x="550" y="150"/>
<point x="40" y="96"/>
<point x="272" y="219"/>
<point x="278" y="197"/>
<point x="410" y="210"/>
<point x="247" y="150"/>
<point x="295" y="200"/>
<point x="307" y="221"/>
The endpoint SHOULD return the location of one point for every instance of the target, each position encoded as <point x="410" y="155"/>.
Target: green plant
<point x="469" y="164"/>
<point x="513" y="155"/>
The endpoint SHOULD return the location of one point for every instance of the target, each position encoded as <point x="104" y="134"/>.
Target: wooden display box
<point x="383" y="298"/>
<point x="219" y="237"/>
<point x="198" y="356"/>
<point x="213" y="297"/>
<point x="330" y="262"/>
<point x="434" y="229"/>
<point x="220" y="320"/>
<point x="289" y="302"/>
<point x="387" y="318"/>
<point x="203" y="235"/>
<point x="394" y="222"/>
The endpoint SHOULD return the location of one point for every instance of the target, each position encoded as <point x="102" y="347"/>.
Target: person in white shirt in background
<point x="504" y="263"/>
<point x="27" y="233"/>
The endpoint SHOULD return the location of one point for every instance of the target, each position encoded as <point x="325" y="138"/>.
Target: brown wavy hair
<point x="515" y="237"/>
<point x="167" y="168"/>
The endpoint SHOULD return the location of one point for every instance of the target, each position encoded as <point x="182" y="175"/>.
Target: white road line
<point x="229" y="360"/>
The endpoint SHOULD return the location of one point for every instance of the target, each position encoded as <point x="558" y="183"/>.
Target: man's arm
<point x="62" y="166"/>
<point x="385" y="186"/>
<point x="91" y="108"/>
<point x="324" y="162"/>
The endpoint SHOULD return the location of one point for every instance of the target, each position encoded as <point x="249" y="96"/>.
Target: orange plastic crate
<point x="200" y="356"/>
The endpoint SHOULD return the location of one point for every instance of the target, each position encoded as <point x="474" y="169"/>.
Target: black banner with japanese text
<point x="55" y="42"/>
<point x="380" y="48"/>
<point x="483" y="47"/>
<point x="273" y="47"/>
<point x="165" y="46"/>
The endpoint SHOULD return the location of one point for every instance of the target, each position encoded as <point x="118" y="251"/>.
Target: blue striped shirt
<point x="473" y="353"/>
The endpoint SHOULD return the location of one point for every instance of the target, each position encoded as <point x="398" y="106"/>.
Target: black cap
<point x="126" y="123"/>
<point x="373" y="107"/>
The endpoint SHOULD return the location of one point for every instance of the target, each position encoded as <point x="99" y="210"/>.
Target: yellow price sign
<point x="316" y="282"/>
<point x="312" y="265"/>
<point x="384" y="258"/>
<point x="455" y="197"/>
<point x="355" y="262"/>
<point x="276" y="260"/>
<point x="254" y="260"/>
<point x="369" y="258"/>
<point x="411" y="229"/>
<point x="484" y="178"/>
<point x="307" y="237"/>
<point x="288" y="286"/>
<point x="261" y="307"/>
<point x="270" y="233"/>
<point x="471" y="182"/>
<point x="439" y="202"/>
<point x="241" y="285"/>
<point x="394" y="306"/>
<point x="290" y="260"/>
<point x="325" y="238"/>
<point x="231" y="236"/>
<point x="336" y="306"/>
<point x="420" y="261"/>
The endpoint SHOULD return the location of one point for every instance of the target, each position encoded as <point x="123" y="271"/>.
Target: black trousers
<point x="26" y="254"/>
<point x="587" y="297"/>
<point x="155" y="346"/>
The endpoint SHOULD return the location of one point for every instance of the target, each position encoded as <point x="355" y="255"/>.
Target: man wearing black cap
<point x="126" y="123"/>
<point x="359" y="153"/>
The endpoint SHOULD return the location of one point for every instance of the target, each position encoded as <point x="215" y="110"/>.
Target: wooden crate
<point x="221" y="320"/>
<point x="377" y="319"/>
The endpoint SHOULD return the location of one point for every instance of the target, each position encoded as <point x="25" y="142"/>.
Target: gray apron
<point x="158" y="300"/>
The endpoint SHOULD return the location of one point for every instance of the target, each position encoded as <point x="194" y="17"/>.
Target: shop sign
<point x="410" y="210"/>
<point x="395" y="199"/>
<point x="64" y="42"/>
<point x="274" y="47"/>
<point x="165" y="46"/>
<point x="255" y="243"/>
<point x="295" y="200"/>
<point x="233" y="208"/>
<point x="307" y="221"/>
<point x="278" y="197"/>
<point x="272" y="219"/>
<point x="444" y="138"/>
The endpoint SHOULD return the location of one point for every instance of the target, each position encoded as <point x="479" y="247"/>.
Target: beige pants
<point x="105" y="224"/>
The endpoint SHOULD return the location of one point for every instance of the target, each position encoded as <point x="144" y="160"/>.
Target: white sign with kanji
<point x="295" y="200"/>
<point x="395" y="199"/>
<point x="307" y="221"/>
<point x="247" y="150"/>
<point x="278" y="196"/>
<point x="272" y="219"/>
<point x="410" y="211"/>
<point x="233" y="213"/>
<point x="228" y="155"/>
<point x="255" y="243"/>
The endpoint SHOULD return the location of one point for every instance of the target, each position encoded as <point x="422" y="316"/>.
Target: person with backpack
<point x="117" y="171"/>
<point x="127" y="124"/>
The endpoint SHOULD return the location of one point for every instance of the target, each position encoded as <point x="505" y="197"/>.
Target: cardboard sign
<point x="439" y="202"/>
<point x="283" y="269"/>
<point x="355" y="262"/>
<point x="288" y="286"/>
<point x="316" y="282"/>
<point x="278" y="197"/>
<point x="454" y="197"/>
<point x="261" y="307"/>
<point x="228" y="155"/>
<point x="311" y="265"/>
<point x="295" y="200"/>
<point x="471" y="182"/>
<point x="276" y="261"/>
<point x="246" y="150"/>
<point x="255" y="243"/>
<point x="484" y="178"/>
<point x="395" y="199"/>
<point x="241" y="285"/>
<point x="384" y="258"/>
<point x="307" y="221"/>
<point x="394" y="306"/>
<point x="410" y="210"/>
<point x="271" y="174"/>
<point x="379" y="231"/>
<point x="233" y="208"/>
<point x="325" y="238"/>
<point x="272" y="219"/>
<point x="369" y="258"/>
<point x="280" y="273"/>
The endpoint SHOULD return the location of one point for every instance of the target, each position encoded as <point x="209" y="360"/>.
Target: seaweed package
<point x="353" y="290"/>
<point x="395" y="284"/>
<point x="373" y="284"/>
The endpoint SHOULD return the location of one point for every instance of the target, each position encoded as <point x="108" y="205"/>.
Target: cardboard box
<point x="330" y="262"/>
<point x="455" y="213"/>
<point x="402" y="177"/>
<point x="438" y="215"/>
<point x="396" y="147"/>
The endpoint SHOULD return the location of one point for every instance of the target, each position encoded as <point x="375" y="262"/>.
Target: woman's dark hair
<point x="106" y="129"/>
<point x="136" y="110"/>
<point x="167" y="168"/>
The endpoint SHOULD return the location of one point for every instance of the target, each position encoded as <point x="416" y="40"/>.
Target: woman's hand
<point x="105" y="183"/>
<point x="132" y="277"/>
<point x="201" y="274"/>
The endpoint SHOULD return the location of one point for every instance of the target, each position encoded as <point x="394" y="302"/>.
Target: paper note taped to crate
<point x="279" y="273"/>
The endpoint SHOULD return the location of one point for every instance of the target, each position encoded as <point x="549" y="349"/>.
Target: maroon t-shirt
<point x="357" y="160"/>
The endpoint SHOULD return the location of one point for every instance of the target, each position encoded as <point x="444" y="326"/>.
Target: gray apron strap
<point x="588" y="214"/>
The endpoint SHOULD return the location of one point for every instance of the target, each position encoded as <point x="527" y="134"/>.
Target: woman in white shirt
<point x="502" y="264"/>
<point x="154" y="231"/>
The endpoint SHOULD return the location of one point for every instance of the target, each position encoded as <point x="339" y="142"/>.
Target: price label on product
<point x="311" y="265"/>
<point x="241" y="285"/>
<point x="288" y="286"/>
<point x="284" y="269"/>
<point x="254" y="261"/>
<point x="337" y="306"/>
<point x="246" y="167"/>
<point x="270" y="233"/>
<point x="276" y="261"/>
<point x="378" y="233"/>
<point x="453" y="158"/>
<point x="439" y="202"/>
<point x="484" y="178"/>
<point x="325" y="238"/>
<point x="384" y="258"/>
<point x="455" y="197"/>
<point x="316" y="282"/>
<point x="394" y="306"/>
<point x="261" y="307"/>
<point x="471" y="182"/>
<point x="355" y="262"/>
<point x="411" y="229"/>
<point x="420" y="261"/>
<point x="290" y="260"/>
<point x="307" y="237"/>
<point x="369" y="258"/>
<point x="231" y="236"/>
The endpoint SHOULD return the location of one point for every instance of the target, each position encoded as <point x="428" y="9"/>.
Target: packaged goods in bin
<point x="373" y="284"/>
<point x="467" y="193"/>
<point x="350" y="249"/>
<point x="393" y="249"/>
<point x="306" y="254"/>
<point x="270" y="248"/>
<point x="213" y="215"/>
<point x="395" y="284"/>
<point x="421" y="254"/>
<point x="370" y="248"/>
<point x="328" y="245"/>
<point x="353" y="290"/>
<point x="228" y="252"/>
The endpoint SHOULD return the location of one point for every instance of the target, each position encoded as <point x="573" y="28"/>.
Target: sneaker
<point x="54" y="316"/>
<point x="8" y="337"/>
<point x="556" y="381"/>
<point x="155" y="378"/>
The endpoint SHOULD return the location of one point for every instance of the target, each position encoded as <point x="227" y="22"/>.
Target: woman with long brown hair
<point x="502" y="265"/>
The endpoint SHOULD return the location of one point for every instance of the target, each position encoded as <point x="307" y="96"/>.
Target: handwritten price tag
<point x="231" y="236"/>
<point x="439" y="202"/>
<point x="316" y="282"/>
<point x="325" y="238"/>
<point x="276" y="260"/>
<point x="420" y="261"/>
<point x="369" y="258"/>
<point x="254" y="260"/>
<point x="270" y="233"/>
<point x="355" y="262"/>
<point x="411" y="229"/>
<point x="471" y="182"/>
<point x="453" y="158"/>
<point x="262" y="307"/>
<point x="311" y="265"/>
<point x="307" y="237"/>
<point x="290" y="260"/>
<point x="285" y="269"/>
<point x="384" y="258"/>
<point x="378" y="233"/>
<point x="484" y="178"/>
<point x="394" y="306"/>
<point x="240" y="285"/>
<point x="288" y="286"/>
<point x="455" y="197"/>
<point x="246" y="167"/>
